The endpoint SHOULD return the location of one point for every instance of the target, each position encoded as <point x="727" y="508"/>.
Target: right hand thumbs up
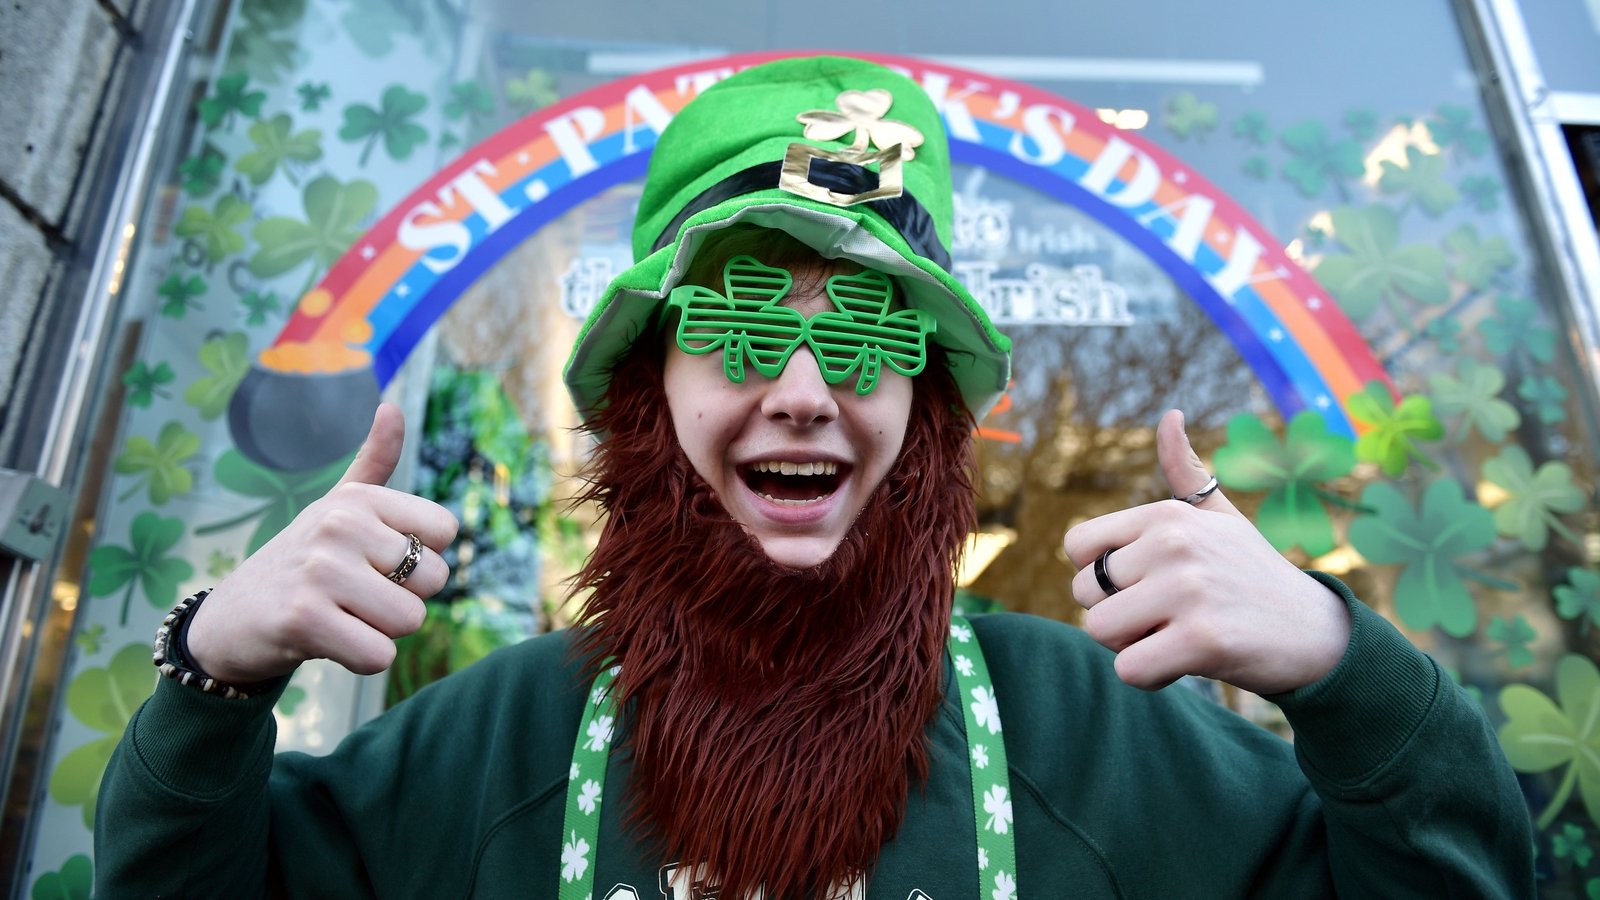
<point x="321" y="587"/>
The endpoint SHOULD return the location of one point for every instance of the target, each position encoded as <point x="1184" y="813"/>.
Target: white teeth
<point x="790" y="468"/>
<point x="793" y="502"/>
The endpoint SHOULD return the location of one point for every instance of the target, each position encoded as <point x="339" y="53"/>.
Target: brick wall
<point x="61" y="63"/>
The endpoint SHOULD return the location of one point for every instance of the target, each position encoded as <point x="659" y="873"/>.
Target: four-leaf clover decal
<point x="1427" y="542"/>
<point x="1378" y="270"/>
<point x="1392" y="439"/>
<point x="1541" y="734"/>
<point x="1473" y="393"/>
<point x="1292" y="512"/>
<point x="1317" y="160"/>
<point x="1422" y="179"/>
<point x="1536" y="498"/>
<point x="1579" y="598"/>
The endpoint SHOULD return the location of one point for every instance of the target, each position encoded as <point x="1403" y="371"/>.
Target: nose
<point x="799" y="395"/>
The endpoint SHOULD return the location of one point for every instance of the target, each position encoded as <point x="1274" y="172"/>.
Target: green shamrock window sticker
<point x="750" y="325"/>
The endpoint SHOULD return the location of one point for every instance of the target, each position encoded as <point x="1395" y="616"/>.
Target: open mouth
<point x="792" y="482"/>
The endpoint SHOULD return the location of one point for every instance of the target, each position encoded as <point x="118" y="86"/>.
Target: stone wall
<point x="61" y="66"/>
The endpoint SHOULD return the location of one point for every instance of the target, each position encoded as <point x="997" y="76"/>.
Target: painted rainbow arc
<point x="358" y="325"/>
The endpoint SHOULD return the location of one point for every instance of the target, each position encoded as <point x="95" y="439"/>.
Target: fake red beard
<point x="775" y="718"/>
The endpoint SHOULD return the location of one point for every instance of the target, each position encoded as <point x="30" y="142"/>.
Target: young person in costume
<point x="770" y="697"/>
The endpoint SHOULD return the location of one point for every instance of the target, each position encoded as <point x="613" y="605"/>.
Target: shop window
<point x="1381" y="381"/>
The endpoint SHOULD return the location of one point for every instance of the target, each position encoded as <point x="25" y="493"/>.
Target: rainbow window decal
<point x="359" y="324"/>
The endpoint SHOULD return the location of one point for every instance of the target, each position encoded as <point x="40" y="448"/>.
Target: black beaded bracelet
<point x="171" y="662"/>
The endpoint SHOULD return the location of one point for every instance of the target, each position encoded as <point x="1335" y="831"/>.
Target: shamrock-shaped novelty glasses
<point x="859" y="334"/>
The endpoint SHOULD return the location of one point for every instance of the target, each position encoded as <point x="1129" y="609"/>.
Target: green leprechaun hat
<point x="843" y="155"/>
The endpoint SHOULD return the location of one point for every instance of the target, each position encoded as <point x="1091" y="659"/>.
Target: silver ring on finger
<point x="1102" y="576"/>
<point x="1195" y="498"/>
<point x="409" y="564"/>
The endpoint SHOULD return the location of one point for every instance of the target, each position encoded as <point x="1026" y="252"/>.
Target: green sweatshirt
<point x="1395" y="787"/>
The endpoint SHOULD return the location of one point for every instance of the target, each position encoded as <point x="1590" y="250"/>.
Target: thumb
<point x="380" y="452"/>
<point x="1185" y="473"/>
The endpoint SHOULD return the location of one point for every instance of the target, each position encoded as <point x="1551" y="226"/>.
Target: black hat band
<point x="908" y="217"/>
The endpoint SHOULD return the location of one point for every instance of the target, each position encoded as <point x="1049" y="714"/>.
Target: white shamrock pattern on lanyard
<point x="980" y="756"/>
<point x="998" y="808"/>
<point x="991" y="791"/>
<point x="600" y="733"/>
<point x="986" y="709"/>
<point x="574" y="858"/>
<point x="585" y="789"/>
<point x="590" y="798"/>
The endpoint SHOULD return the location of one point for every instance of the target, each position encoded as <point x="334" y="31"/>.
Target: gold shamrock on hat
<point x="859" y="175"/>
<point x="862" y="112"/>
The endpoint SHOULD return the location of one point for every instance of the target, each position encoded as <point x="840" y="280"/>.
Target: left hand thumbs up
<point x="1186" y="474"/>
<point x="1179" y="588"/>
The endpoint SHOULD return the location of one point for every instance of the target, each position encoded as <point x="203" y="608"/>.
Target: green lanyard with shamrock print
<point x="986" y="759"/>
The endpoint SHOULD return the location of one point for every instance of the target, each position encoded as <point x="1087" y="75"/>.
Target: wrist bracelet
<point x="172" y="664"/>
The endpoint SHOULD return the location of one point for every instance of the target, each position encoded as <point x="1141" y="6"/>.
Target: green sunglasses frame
<point x="749" y="323"/>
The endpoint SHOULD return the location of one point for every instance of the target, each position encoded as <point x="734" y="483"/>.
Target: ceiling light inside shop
<point x="1322" y="223"/>
<point x="1126" y="119"/>
<point x="1338" y="561"/>
<point x="982" y="548"/>
<point x="119" y="266"/>
<point x="1240" y="73"/>
<point x="629" y="62"/>
<point x="1236" y="73"/>
<point x="1392" y="148"/>
<point x="1491" y="495"/>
